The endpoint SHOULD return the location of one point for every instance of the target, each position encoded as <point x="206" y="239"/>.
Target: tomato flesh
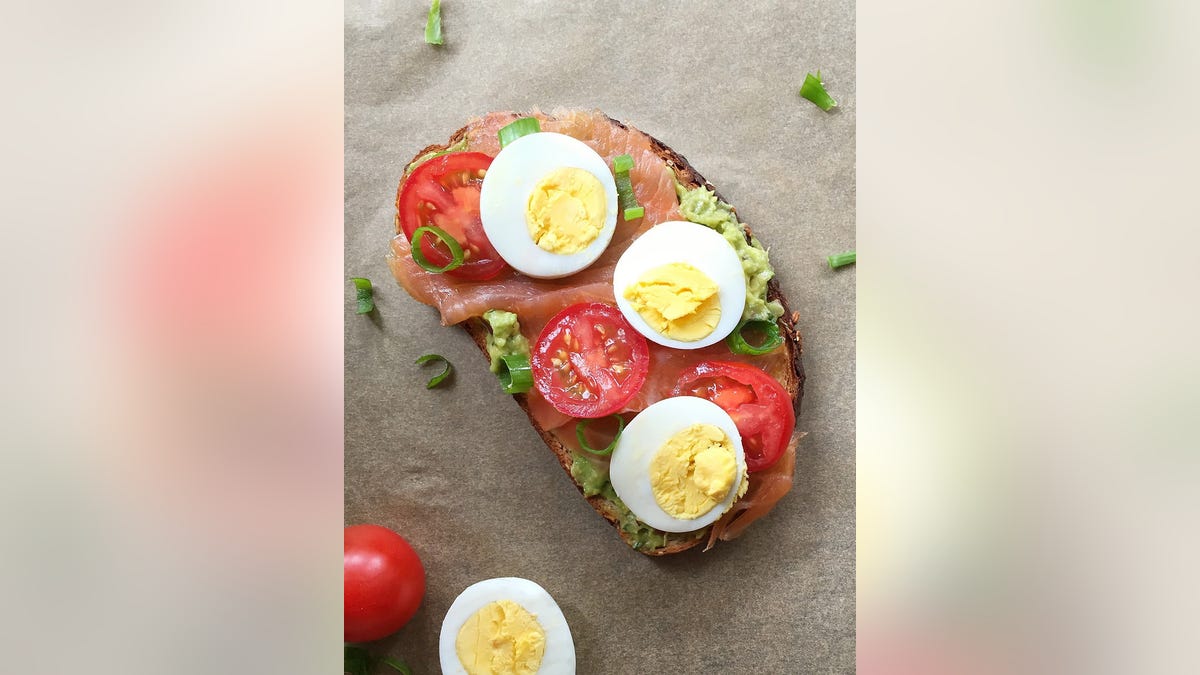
<point x="588" y="361"/>
<point x="760" y="406"/>
<point x="384" y="582"/>
<point x="444" y="192"/>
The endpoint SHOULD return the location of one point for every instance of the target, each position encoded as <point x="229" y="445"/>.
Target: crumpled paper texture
<point x="460" y="472"/>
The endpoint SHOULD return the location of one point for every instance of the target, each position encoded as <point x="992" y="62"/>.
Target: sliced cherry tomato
<point x="588" y="361"/>
<point x="758" y="404"/>
<point x="444" y="192"/>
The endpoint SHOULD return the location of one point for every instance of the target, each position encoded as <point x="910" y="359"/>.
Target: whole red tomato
<point x="384" y="582"/>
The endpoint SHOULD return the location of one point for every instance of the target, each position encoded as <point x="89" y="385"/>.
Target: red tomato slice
<point x="758" y="404"/>
<point x="444" y="192"/>
<point x="588" y="361"/>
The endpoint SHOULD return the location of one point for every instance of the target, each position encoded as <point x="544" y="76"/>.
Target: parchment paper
<point x="460" y="472"/>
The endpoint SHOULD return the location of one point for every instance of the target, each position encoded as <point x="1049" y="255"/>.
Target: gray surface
<point x="460" y="472"/>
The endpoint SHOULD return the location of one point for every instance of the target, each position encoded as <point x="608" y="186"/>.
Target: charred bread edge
<point x="686" y="174"/>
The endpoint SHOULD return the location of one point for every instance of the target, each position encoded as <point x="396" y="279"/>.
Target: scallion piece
<point x="397" y="664"/>
<point x="433" y="25"/>
<point x="607" y="450"/>
<point x="836" y="261"/>
<point x="518" y="128"/>
<point x="364" y="294"/>
<point x="358" y="660"/>
<point x="626" y="199"/>
<point x="813" y="89"/>
<point x="450" y="242"/>
<point x="516" y="375"/>
<point x="738" y="345"/>
<point x="440" y="377"/>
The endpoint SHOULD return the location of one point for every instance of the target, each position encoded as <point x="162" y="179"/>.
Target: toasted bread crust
<point x="686" y="174"/>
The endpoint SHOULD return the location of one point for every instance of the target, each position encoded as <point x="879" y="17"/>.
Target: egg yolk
<point x="693" y="471"/>
<point x="503" y="638"/>
<point x="566" y="211"/>
<point x="677" y="300"/>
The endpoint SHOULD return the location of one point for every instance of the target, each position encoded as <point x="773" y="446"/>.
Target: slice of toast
<point x="793" y="381"/>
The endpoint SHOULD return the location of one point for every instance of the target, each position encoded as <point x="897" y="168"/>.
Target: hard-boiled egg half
<point x="506" y="625"/>
<point x="681" y="285"/>
<point x="679" y="465"/>
<point x="548" y="204"/>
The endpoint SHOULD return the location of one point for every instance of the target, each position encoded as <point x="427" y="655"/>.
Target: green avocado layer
<point x="701" y="206"/>
<point x="594" y="480"/>
<point x="505" y="338"/>
<point x="457" y="147"/>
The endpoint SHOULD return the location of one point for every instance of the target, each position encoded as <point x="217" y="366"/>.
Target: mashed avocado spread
<point x="505" y="337"/>
<point x="457" y="147"/>
<point x="702" y="206"/>
<point x="594" y="480"/>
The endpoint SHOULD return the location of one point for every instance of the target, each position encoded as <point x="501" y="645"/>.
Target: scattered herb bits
<point x="518" y="128"/>
<point x="626" y="199"/>
<point x="813" y="89"/>
<point x="433" y="25"/>
<point x="841" y="259"/>
<point x="365" y="295"/>
<point x="440" y="377"/>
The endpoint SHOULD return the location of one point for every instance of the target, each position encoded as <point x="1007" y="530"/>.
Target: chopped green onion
<point x="437" y="379"/>
<point x="433" y="25"/>
<point x="450" y="242"/>
<point x="813" y="89"/>
<point x="358" y="660"/>
<point x="603" y="452"/>
<point x="518" y="128"/>
<point x="364" y="295"/>
<point x="836" y="261"/>
<point x="397" y="664"/>
<point x="738" y="345"/>
<point x="516" y="375"/>
<point x="626" y="199"/>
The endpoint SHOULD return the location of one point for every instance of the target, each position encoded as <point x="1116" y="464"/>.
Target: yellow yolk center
<point x="503" y="638"/>
<point x="693" y="471"/>
<point x="566" y="211"/>
<point x="677" y="300"/>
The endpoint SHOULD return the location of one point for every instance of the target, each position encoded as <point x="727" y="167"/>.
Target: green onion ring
<point x="440" y="377"/>
<point x="738" y="345"/>
<point x="516" y="375"/>
<point x="433" y="24"/>
<point x="364" y="294"/>
<point x="582" y="424"/>
<point x="813" y="89"/>
<point x="840" y="259"/>
<point x="626" y="199"/>
<point x="518" y="128"/>
<point x="450" y="242"/>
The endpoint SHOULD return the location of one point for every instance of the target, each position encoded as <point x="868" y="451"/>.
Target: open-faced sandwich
<point x="617" y="296"/>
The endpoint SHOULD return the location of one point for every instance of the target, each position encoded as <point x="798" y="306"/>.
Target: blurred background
<point x="1027" y="493"/>
<point x="171" y="483"/>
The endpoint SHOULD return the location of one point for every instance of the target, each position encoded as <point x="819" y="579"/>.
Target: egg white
<point x="679" y="241"/>
<point x="504" y="196"/>
<point x="559" y="657"/>
<point x="629" y="470"/>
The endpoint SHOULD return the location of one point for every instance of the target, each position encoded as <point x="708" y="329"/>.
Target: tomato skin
<point x="760" y="406"/>
<point x="450" y="183"/>
<point x="384" y="582"/>
<point x="588" y="361"/>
